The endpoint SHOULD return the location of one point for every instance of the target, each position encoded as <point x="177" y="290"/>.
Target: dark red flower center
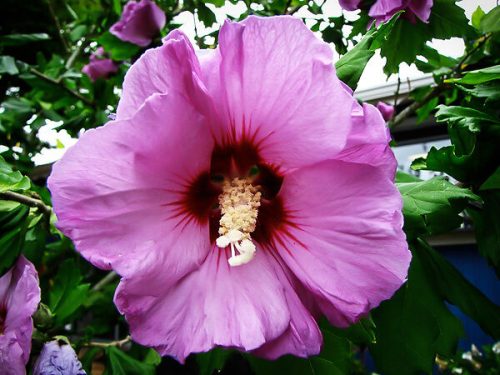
<point x="237" y="160"/>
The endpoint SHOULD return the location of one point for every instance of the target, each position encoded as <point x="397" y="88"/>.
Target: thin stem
<point x="58" y="82"/>
<point x="437" y="90"/>
<point x="58" y="26"/>
<point x="408" y="111"/>
<point x="458" y="68"/>
<point x="116" y="343"/>
<point x="105" y="281"/>
<point x="196" y="36"/>
<point x="28" y="201"/>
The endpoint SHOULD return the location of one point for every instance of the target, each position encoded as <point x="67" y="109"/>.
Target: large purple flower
<point x="383" y="10"/>
<point x="99" y="66"/>
<point x="19" y="298"/>
<point x="240" y="193"/>
<point x="139" y="23"/>
<point x="58" y="358"/>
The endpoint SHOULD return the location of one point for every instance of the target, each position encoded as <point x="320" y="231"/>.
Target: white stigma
<point x="239" y="203"/>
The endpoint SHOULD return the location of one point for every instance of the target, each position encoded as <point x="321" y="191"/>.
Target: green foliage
<point x="118" y="49"/>
<point x="335" y="358"/>
<point x="407" y="40"/>
<point x="68" y="292"/>
<point x="351" y="65"/>
<point x="10" y="179"/>
<point x="433" y="206"/>
<point x="120" y="363"/>
<point x="416" y="324"/>
<point x="13" y="226"/>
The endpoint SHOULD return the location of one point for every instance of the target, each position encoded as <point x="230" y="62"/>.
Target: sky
<point x="373" y="75"/>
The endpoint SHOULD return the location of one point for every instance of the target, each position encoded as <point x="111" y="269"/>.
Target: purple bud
<point x="99" y="65"/>
<point x="58" y="358"/>
<point x="387" y="110"/>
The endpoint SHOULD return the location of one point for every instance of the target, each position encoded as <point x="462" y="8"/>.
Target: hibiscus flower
<point x="240" y="193"/>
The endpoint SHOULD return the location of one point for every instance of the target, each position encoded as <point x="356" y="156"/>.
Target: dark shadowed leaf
<point x="13" y="225"/>
<point x="117" y="49"/>
<point x="487" y="226"/>
<point x="67" y="293"/>
<point x="334" y="359"/>
<point x="414" y="325"/>
<point x="120" y="363"/>
<point x="19" y="39"/>
<point x="350" y="66"/>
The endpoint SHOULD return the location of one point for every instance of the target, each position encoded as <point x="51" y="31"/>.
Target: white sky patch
<point x="373" y="75"/>
<point x="59" y="140"/>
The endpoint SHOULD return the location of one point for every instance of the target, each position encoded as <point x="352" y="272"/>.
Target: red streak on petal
<point x="200" y="198"/>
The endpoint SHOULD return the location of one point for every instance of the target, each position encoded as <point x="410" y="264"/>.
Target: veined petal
<point x="277" y="87"/>
<point x="117" y="192"/>
<point x="215" y="305"/>
<point x="172" y="68"/>
<point x="368" y="141"/>
<point x="347" y="245"/>
<point x="302" y="338"/>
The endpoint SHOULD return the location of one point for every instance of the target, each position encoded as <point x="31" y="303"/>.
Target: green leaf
<point x="350" y="66"/>
<point x="10" y="179"/>
<point x="414" y="325"/>
<point x="334" y="359"/>
<point x="20" y="39"/>
<point x="457" y="290"/>
<point x="475" y="77"/>
<point x="205" y="15"/>
<point x="120" y="363"/>
<point x="407" y="40"/>
<point x="8" y="65"/>
<point x="493" y="182"/>
<point x="13" y="225"/>
<point x="217" y="3"/>
<point x="448" y="20"/>
<point x="431" y="207"/>
<point x="487" y="226"/>
<point x="435" y="61"/>
<point x="212" y="361"/>
<point x="361" y="333"/>
<point x="68" y="293"/>
<point x="117" y="7"/>
<point x="477" y="16"/>
<point x="117" y="49"/>
<point x="490" y="23"/>
<point x="465" y="117"/>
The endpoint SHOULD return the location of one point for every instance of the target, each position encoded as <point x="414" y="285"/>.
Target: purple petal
<point x="19" y="298"/>
<point x="172" y="67"/>
<point x="347" y="245"/>
<point x="277" y="87"/>
<point x="116" y="192"/>
<point x="215" y="305"/>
